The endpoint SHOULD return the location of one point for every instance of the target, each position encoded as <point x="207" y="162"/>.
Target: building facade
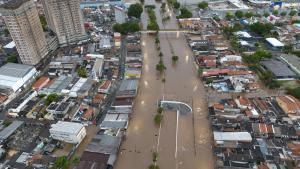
<point x="64" y="17"/>
<point x="120" y="15"/>
<point x="22" y="20"/>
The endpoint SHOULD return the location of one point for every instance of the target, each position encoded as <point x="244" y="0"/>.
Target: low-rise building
<point x="15" y="76"/>
<point x="40" y="83"/>
<point x="293" y="62"/>
<point x="275" y="44"/>
<point x="279" y="69"/>
<point x="289" y="104"/>
<point x="69" y="132"/>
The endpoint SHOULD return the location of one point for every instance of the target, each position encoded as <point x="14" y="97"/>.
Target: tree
<point x="176" y="5"/>
<point x="43" y="22"/>
<point x="153" y="26"/>
<point x="185" y="13"/>
<point x="6" y="32"/>
<point x="294" y="92"/>
<point x="200" y="71"/>
<point x="154" y="157"/>
<point x="266" y="14"/>
<point x="261" y="28"/>
<point x="150" y="7"/>
<point x="160" y="110"/>
<point x="81" y="72"/>
<point x="160" y="67"/>
<point x="175" y="58"/>
<point x="61" y="162"/>
<point x="157" y="41"/>
<point x="229" y="15"/>
<point x="248" y="14"/>
<point x="293" y="13"/>
<point x="287" y="48"/>
<point x="257" y="56"/>
<point x="163" y="7"/>
<point x="51" y="98"/>
<point x="142" y="1"/>
<point x="135" y="10"/>
<point x="153" y="166"/>
<point x="12" y="58"/>
<point x="275" y="12"/>
<point x="160" y="54"/>
<point x="128" y="27"/>
<point x="203" y="5"/>
<point x="75" y="161"/>
<point x="283" y="14"/>
<point x="151" y="15"/>
<point x="216" y="18"/>
<point x="258" y="15"/>
<point x="158" y="118"/>
<point x="239" y="14"/>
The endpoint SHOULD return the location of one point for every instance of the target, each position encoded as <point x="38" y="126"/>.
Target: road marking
<point x="158" y="139"/>
<point x="195" y="88"/>
<point x="177" y="114"/>
<point x="186" y="58"/>
<point x="146" y="83"/>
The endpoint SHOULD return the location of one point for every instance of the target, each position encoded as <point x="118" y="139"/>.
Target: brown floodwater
<point x="182" y="84"/>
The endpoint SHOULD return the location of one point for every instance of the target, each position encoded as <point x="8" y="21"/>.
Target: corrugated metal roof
<point x="9" y="130"/>
<point x="15" y="70"/>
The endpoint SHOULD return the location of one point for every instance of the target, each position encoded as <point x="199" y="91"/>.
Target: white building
<point x="120" y="15"/>
<point x="14" y="76"/>
<point x="227" y="58"/>
<point x="275" y="43"/>
<point x="19" y="105"/>
<point x="69" y="132"/>
<point x="97" y="69"/>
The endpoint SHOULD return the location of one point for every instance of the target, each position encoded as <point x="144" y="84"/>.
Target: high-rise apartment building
<point x="22" y="20"/>
<point x="64" y="17"/>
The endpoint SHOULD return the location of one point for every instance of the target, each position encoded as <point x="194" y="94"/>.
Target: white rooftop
<point x="274" y="42"/>
<point x="10" y="45"/>
<point x="243" y="34"/>
<point x="15" y="70"/>
<point x="232" y="136"/>
<point x="244" y="43"/>
<point x="67" y="127"/>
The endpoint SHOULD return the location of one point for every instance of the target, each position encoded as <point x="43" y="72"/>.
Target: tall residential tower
<point x="22" y="20"/>
<point x="64" y="17"/>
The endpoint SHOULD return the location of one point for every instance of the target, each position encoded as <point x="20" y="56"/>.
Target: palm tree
<point x="175" y="58"/>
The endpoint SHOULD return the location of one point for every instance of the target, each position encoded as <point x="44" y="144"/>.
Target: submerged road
<point x="182" y="84"/>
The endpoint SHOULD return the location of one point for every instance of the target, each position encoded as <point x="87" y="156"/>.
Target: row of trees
<point x="283" y="13"/>
<point x="240" y="14"/>
<point x="160" y="66"/>
<point x="152" y="25"/>
<point x="249" y="14"/>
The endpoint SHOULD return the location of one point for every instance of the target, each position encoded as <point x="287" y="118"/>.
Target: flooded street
<point x="182" y="84"/>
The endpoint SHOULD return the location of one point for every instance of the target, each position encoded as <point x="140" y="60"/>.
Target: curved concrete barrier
<point x="183" y="108"/>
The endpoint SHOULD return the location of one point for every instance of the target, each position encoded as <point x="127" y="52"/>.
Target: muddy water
<point x="194" y="135"/>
